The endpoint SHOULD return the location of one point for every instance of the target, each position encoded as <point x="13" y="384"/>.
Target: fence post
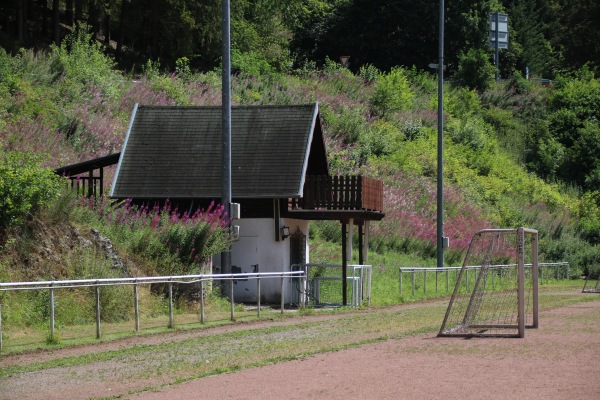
<point x="447" y="280"/>
<point x="51" y="312"/>
<point x="304" y="292"/>
<point x="282" y="293"/>
<point x="413" y="282"/>
<point x="136" y="306"/>
<point x="171" y="321"/>
<point x="424" y="281"/>
<point x="0" y="327"/>
<point x="400" y="281"/>
<point x="436" y="280"/>
<point x="97" y="311"/>
<point x="231" y="303"/>
<point x="258" y="296"/>
<point x="201" y="301"/>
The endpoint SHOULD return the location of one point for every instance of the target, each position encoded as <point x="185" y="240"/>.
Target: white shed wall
<point x="257" y="245"/>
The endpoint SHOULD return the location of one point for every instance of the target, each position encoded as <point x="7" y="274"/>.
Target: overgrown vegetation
<point x="501" y="143"/>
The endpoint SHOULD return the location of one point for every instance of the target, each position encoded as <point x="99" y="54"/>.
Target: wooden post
<point x="534" y="267"/>
<point x="349" y="242"/>
<point x="344" y="265"/>
<point x="521" y="284"/>
<point x="0" y="327"/>
<point x="361" y="260"/>
<point x="90" y="184"/>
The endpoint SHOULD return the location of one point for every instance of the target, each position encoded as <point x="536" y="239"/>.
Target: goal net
<point x="592" y="282"/>
<point x="496" y="292"/>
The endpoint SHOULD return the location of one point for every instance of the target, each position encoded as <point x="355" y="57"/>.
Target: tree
<point x="475" y="70"/>
<point x="579" y="38"/>
<point x="573" y="123"/>
<point x="532" y="23"/>
<point x="166" y="30"/>
<point x="259" y="35"/>
<point x="56" y="21"/>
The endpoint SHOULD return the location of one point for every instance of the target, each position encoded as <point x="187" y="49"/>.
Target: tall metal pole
<point x="497" y="45"/>
<point x="440" y="158"/>
<point x="226" y="130"/>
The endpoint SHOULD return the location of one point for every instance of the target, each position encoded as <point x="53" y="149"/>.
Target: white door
<point x="244" y="259"/>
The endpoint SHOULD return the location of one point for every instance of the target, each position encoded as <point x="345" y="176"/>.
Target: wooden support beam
<point x="344" y="266"/>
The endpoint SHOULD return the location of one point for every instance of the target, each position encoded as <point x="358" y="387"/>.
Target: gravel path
<point x="557" y="361"/>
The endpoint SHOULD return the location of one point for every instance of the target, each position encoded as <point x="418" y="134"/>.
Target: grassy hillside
<point x="71" y="105"/>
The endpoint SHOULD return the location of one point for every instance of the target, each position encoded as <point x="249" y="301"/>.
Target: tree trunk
<point x="44" y="18"/>
<point x="93" y="17"/>
<point x="78" y="10"/>
<point x="21" y="21"/>
<point x="121" y="34"/>
<point x="107" y="30"/>
<point x="55" y="21"/>
<point x="69" y="12"/>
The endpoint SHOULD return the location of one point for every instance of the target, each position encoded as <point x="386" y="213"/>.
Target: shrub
<point x="181" y="240"/>
<point x="81" y="62"/>
<point x="472" y="132"/>
<point x="249" y="63"/>
<point x="475" y="70"/>
<point x="463" y="103"/>
<point x="381" y="138"/>
<point x="25" y="187"/>
<point x="392" y="93"/>
<point x="347" y="123"/>
<point x="368" y="72"/>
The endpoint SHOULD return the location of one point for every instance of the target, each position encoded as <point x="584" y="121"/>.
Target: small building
<point x="280" y="178"/>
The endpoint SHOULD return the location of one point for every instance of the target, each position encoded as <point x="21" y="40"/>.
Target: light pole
<point x="440" y="156"/>
<point x="226" y="130"/>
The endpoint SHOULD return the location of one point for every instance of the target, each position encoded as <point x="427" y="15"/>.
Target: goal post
<point x="496" y="292"/>
<point x="592" y="282"/>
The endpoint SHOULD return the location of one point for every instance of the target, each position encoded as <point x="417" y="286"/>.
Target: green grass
<point x="207" y="354"/>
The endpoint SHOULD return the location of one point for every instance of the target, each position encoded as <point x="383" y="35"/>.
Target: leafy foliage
<point x="573" y="129"/>
<point x="392" y="93"/>
<point x="25" y="187"/>
<point x="163" y="233"/>
<point x="385" y="128"/>
<point x="475" y="70"/>
<point x="82" y="62"/>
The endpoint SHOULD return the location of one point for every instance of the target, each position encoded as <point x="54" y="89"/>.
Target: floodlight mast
<point x="226" y="129"/>
<point x="440" y="155"/>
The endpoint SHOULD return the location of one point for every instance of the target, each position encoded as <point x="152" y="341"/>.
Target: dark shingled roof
<point x="175" y="152"/>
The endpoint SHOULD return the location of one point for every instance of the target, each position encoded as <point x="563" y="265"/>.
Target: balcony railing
<point x="340" y="193"/>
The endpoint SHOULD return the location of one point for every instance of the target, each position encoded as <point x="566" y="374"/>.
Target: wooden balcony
<point x="339" y="196"/>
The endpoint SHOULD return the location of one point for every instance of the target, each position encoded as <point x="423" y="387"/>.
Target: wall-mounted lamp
<point x="285" y="232"/>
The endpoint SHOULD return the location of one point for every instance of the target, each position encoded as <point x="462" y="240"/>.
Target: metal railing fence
<point x="323" y="284"/>
<point x="547" y="271"/>
<point x="53" y="286"/>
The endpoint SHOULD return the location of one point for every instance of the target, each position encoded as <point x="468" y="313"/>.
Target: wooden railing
<point x="82" y="175"/>
<point x="340" y="193"/>
<point x="88" y="186"/>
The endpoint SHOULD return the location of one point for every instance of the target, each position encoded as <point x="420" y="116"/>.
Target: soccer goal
<point x="496" y="292"/>
<point x="592" y="282"/>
